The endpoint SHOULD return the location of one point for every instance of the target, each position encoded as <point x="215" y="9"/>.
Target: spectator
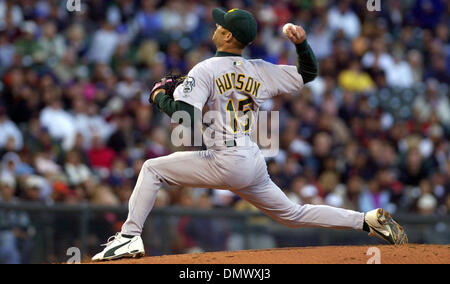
<point x="413" y="169"/>
<point x="33" y="188"/>
<point x="176" y="15"/>
<point x="149" y="19"/>
<point x="310" y="195"/>
<point x="122" y="138"/>
<point x="76" y="40"/>
<point x="66" y="69"/>
<point x="7" y="52"/>
<point x="119" y="172"/>
<point x="174" y="60"/>
<point x="100" y="156"/>
<point x="8" y="188"/>
<point x="51" y="44"/>
<point x="373" y="197"/>
<point x="322" y="150"/>
<point x="124" y="191"/>
<point x="27" y="45"/>
<point x="129" y="87"/>
<point x="104" y="43"/>
<point x="59" y="123"/>
<point x="122" y="11"/>
<point x="46" y="165"/>
<point x="13" y="166"/>
<point x="353" y="190"/>
<point x="328" y="181"/>
<point x="156" y="147"/>
<point x="355" y="80"/>
<point x="295" y="189"/>
<point x="438" y="69"/>
<point x="162" y="199"/>
<point x="11" y="12"/>
<point x="89" y="122"/>
<point x="13" y="227"/>
<point x="400" y="73"/>
<point x="10" y="137"/>
<point x="431" y="102"/>
<point x="320" y="40"/>
<point x="76" y="171"/>
<point x="63" y="194"/>
<point x="103" y="195"/>
<point x="342" y="18"/>
<point x="427" y="204"/>
<point x="377" y="58"/>
<point x="415" y="60"/>
<point x="428" y="13"/>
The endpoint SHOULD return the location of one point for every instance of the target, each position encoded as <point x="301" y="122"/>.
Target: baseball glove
<point x="168" y="83"/>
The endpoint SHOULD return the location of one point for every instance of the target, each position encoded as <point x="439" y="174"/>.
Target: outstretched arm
<point x="307" y="62"/>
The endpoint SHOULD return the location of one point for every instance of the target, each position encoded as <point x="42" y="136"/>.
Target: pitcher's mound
<point x="432" y="254"/>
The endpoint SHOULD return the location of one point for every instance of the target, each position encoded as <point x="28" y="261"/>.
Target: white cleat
<point x="383" y="226"/>
<point x="119" y="246"/>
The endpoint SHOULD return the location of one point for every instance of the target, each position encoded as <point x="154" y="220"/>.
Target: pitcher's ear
<point x="229" y="37"/>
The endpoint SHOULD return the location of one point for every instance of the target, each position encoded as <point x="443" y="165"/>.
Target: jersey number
<point x="243" y="109"/>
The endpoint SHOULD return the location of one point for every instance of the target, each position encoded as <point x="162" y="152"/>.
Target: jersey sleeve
<point x="281" y="79"/>
<point x="196" y="88"/>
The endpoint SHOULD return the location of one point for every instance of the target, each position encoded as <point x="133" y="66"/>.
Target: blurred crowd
<point x="371" y="131"/>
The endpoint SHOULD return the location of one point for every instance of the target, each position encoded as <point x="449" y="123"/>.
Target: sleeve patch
<point x="188" y="85"/>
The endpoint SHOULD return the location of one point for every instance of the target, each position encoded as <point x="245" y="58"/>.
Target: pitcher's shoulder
<point x="258" y="62"/>
<point x="214" y="64"/>
<point x="206" y="65"/>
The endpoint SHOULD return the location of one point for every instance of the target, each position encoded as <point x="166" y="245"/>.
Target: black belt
<point x="233" y="143"/>
<point x="230" y="143"/>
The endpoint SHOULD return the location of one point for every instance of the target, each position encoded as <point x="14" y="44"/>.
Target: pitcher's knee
<point x="150" y="164"/>
<point x="149" y="167"/>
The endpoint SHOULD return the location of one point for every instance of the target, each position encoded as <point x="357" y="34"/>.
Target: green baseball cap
<point x="239" y="22"/>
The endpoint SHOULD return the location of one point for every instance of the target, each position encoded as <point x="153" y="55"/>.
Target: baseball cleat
<point x="383" y="226"/>
<point x="119" y="246"/>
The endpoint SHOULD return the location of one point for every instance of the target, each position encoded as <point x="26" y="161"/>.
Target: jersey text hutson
<point x="239" y="82"/>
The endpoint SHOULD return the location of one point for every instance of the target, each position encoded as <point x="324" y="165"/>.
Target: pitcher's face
<point x="220" y="36"/>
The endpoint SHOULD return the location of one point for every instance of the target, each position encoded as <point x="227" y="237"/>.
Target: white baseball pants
<point x="243" y="171"/>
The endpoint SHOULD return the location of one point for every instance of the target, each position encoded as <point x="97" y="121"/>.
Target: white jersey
<point x="232" y="89"/>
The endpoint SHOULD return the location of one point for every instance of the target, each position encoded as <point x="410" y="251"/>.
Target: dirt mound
<point x="426" y="254"/>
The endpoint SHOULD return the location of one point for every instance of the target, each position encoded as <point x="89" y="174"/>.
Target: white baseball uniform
<point x="232" y="86"/>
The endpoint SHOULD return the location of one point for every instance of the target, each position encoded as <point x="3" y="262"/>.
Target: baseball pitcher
<point x="234" y="88"/>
